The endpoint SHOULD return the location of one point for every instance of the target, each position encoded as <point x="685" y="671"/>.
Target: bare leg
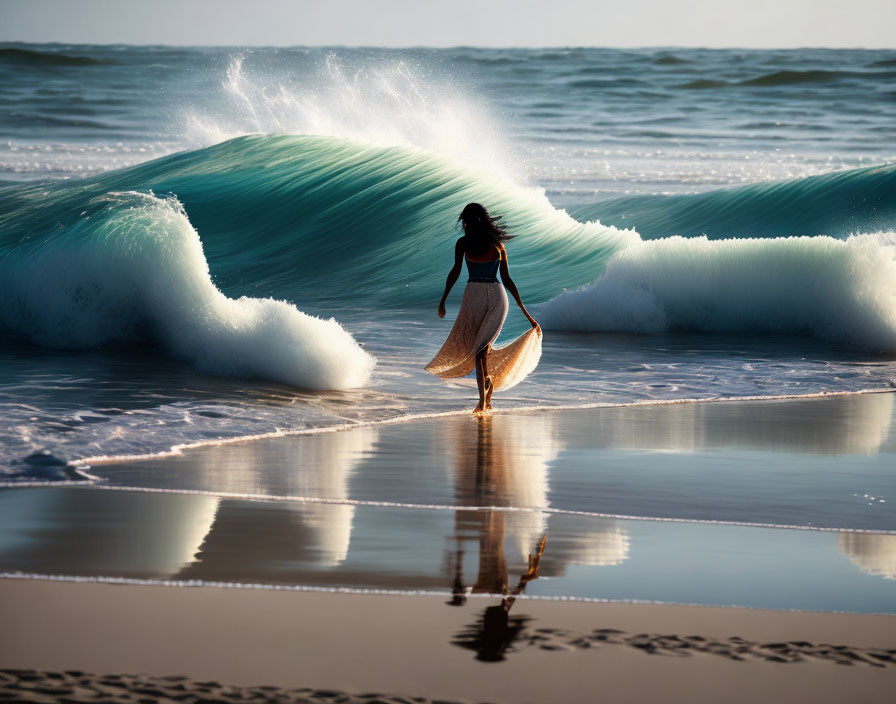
<point x="489" y="383"/>
<point x="481" y="380"/>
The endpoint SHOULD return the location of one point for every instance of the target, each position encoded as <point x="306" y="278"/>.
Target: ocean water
<point x="199" y="244"/>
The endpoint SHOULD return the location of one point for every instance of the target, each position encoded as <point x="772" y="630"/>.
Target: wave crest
<point x="385" y="217"/>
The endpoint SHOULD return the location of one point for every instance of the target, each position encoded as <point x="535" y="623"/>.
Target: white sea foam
<point x="135" y="270"/>
<point x="842" y="291"/>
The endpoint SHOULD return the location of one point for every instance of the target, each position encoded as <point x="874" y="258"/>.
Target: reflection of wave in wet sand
<point x="149" y="537"/>
<point x="318" y="466"/>
<point x="334" y="459"/>
<point x="870" y="552"/>
<point x="332" y="526"/>
<point x="534" y="446"/>
<point x="594" y="542"/>
<point x="842" y="425"/>
<point x="600" y="548"/>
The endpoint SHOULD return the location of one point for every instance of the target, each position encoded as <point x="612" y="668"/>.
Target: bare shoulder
<point x="459" y="245"/>
<point x="503" y="250"/>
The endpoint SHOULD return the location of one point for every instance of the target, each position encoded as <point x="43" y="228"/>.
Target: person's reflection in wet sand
<point x="482" y="477"/>
<point x="496" y="630"/>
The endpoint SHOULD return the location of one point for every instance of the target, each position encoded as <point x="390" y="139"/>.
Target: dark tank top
<point x="483" y="272"/>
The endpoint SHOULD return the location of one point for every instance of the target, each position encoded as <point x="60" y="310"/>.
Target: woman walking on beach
<point x="482" y="312"/>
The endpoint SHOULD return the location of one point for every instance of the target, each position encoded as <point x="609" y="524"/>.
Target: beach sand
<point x="364" y="644"/>
<point x="320" y="523"/>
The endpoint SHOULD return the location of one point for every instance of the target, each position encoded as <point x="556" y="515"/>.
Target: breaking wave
<point x="291" y="219"/>
<point x="836" y="290"/>
<point x="131" y="269"/>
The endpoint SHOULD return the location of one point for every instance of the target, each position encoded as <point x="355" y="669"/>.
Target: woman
<point x="482" y="313"/>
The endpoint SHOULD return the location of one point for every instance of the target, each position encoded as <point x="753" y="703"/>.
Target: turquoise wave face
<point x="335" y="224"/>
<point x="324" y="218"/>
<point x="836" y="204"/>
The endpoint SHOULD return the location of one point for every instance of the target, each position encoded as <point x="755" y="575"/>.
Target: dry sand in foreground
<point x="567" y="652"/>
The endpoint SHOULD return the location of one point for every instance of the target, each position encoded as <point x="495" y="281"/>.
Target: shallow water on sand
<point x="181" y="538"/>
<point x="811" y="462"/>
<point x="785" y="505"/>
<point x="59" y="407"/>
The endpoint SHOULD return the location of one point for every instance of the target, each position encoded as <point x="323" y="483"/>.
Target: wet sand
<point x="689" y="503"/>
<point x="815" y="461"/>
<point x="389" y="646"/>
<point x="188" y="538"/>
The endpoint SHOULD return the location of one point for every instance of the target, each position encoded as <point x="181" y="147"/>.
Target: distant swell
<point x="787" y="78"/>
<point x="45" y="58"/>
<point x="836" y="204"/>
<point x="669" y="60"/>
<point x="777" y="79"/>
<point x="704" y="84"/>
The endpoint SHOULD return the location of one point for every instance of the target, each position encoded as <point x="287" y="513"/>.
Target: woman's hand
<point x="442" y="309"/>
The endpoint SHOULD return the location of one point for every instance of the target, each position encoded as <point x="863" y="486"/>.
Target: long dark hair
<point x="481" y="230"/>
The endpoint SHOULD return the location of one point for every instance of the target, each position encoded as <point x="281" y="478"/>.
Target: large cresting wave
<point x="131" y="268"/>
<point x="333" y="224"/>
<point x="315" y="219"/>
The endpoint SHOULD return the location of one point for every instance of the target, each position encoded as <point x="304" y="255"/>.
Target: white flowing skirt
<point x="479" y="321"/>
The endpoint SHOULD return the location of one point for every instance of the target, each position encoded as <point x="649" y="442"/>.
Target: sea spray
<point x="382" y="102"/>
<point x="133" y="270"/>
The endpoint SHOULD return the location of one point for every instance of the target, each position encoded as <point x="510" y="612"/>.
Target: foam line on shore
<point x="270" y="498"/>
<point x="370" y="591"/>
<point x="177" y="450"/>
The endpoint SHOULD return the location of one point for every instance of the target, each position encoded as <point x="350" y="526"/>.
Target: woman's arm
<point x="511" y="287"/>
<point x="453" y="274"/>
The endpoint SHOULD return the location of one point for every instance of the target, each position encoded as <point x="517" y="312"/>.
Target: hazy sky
<point x="715" y="23"/>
